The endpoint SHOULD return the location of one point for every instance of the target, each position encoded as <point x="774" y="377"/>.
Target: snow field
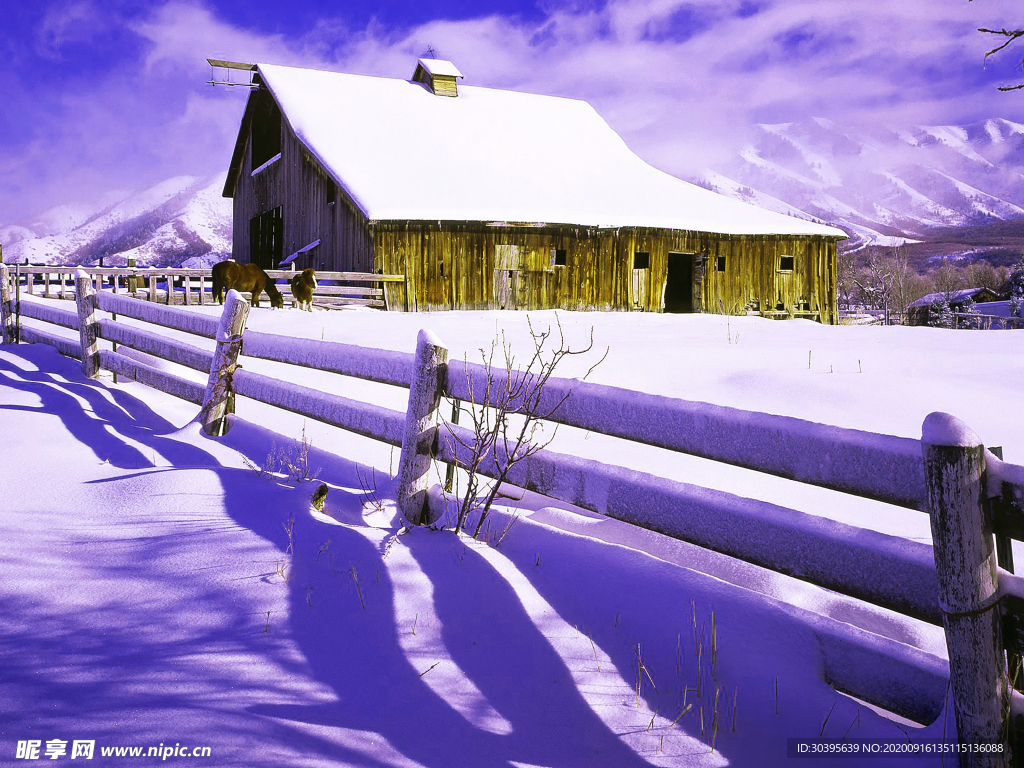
<point x="699" y="359"/>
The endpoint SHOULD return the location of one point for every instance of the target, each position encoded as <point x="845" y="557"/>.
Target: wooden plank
<point x="232" y="65"/>
<point x="279" y="274"/>
<point x="165" y="382"/>
<point x="336" y="290"/>
<point x="824" y="552"/>
<point x="882" y="467"/>
<point x="171" y="317"/>
<point x="355" y="416"/>
<point x="67" y="347"/>
<point x="50" y="313"/>
<point x="157" y="345"/>
<point x="337" y="303"/>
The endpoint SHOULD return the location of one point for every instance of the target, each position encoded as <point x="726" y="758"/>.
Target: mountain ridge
<point x="885" y="186"/>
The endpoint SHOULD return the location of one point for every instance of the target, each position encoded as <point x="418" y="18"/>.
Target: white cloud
<point x="68" y="22"/>
<point x="683" y="82"/>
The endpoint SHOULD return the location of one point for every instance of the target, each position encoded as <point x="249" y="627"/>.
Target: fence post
<point x="225" y="358"/>
<point x="6" y="310"/>
<point x="965" y="563"/>
<point x="420" y="436"/>
<point x="85" y="299"/>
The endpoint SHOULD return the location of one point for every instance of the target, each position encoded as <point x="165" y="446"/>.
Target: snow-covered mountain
<point x="183" y="220"/>
<point x="883" y="186"/>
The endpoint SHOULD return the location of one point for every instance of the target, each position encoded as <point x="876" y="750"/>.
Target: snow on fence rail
<point x="969" y="493"/>
<point x="195" y="286"/>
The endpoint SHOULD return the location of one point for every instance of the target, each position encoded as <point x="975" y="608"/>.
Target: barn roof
<point x="491" y="155"/>
<point x="954" y="297"/>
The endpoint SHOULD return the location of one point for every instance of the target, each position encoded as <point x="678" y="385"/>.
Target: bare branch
<point x="1010" y="36"/>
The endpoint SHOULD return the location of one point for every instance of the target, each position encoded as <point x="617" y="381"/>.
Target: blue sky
<point x="110" y="95"/>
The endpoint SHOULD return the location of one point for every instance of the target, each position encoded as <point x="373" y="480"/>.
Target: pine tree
<point x="971" y="309"/>
<point x="939" y="314"/>
<point x="1017" y="288"/>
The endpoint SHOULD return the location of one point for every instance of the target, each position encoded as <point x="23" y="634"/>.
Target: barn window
<point x="266" y="239"/>
<point x="266" y="132"/>
<point x="641" y="260"/>
<point x="786" y="263"/>
<point x="720" y="263"/>
<point x="558" y="257"/>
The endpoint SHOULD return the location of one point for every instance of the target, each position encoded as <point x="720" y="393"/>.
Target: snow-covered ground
<point x="158" y="590"/>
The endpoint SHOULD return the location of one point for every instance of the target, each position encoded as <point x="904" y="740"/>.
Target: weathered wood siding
<point x="313" y="206"/>
<point x="469" y="266"/>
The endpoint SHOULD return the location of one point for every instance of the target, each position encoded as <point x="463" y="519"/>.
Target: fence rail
<point x="916" y="579"/>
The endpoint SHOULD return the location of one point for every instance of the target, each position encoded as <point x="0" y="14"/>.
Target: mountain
<point x="944" y="191"/>
<point x="884" y="186"/>
<point x="183" y="220"/>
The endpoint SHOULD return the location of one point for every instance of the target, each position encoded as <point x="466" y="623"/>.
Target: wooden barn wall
<point x="452" y="266"/>
<point x="298" y="184"/>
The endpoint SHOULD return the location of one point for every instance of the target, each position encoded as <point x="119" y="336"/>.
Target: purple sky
<point x="100" y="96"/>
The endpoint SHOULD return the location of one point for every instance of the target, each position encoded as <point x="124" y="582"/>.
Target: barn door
<point x="507" y="264"/>
<point x="266" y="239"/>
<point x="679" y="284"/>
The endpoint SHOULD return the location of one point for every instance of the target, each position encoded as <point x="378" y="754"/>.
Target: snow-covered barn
<point x="486" y="198"/>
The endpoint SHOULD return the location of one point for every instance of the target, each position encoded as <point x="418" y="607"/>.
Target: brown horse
<point x="244" y="277"/>
<point x="303" y="285"/>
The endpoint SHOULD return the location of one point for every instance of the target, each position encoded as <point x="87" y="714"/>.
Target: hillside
<point x="929" y="184"/>
<point x="178" y="220"/>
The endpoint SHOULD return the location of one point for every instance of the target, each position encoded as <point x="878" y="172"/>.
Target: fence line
<point x="985" y="322"/>
<point x="196" y="285"/>
<point x="822" y="551"/>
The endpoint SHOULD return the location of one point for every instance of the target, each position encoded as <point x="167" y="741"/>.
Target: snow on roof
<point x="955" y="297"/>
<point x="440" y="67"/>
<point x="492" y="155"/>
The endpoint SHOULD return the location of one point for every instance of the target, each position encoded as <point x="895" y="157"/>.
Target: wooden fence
<point x="974" y="499"/>
<point x="177" y="286"/>
<point x="973" y="320"/>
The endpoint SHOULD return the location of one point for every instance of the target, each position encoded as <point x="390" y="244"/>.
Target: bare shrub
<point x="505" y="415"/>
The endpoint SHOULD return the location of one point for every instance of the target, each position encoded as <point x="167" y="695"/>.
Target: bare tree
<point x="948" y="280"/>
<point x="846" y="274"/>
<point x="874" y="284"/>
<point x="506" y="418"/>
<point x="981" y="274"/>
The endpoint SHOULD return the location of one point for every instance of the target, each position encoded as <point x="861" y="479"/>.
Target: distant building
<point x="917" y="311"/>
<point x="490" y="199"/>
